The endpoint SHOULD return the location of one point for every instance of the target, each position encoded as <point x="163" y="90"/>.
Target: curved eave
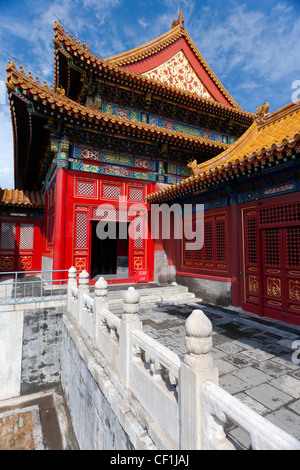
<point x="30" y="141"/>
<point x="64" y="108"/>
<point x="103" y="67"/>
<point x="246" y="165"/>
<point x="21" y="137"/>
<point x="19" y="198"/>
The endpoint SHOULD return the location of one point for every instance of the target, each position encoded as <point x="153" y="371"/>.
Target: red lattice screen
<point x="138" y="232"/>
<point x="282" y="214"/>
<point x="26" y="236"/>
<point x="221" y="241"/>
<point x="135" y="194"/>
<point x="111" y="191"/>
<point x="293" y="246"/>
<point x="272" y="248"/>
<point x="251" y="240"/>
<point x="81" y="229"/>
<point x="86" y="188"/>
<point x="208" y="241"/>
<point x="213" y="254"/>
<point x="8" y="234"/>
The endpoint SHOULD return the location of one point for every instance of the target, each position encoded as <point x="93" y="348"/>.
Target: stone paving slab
<point x="254" y="357"/>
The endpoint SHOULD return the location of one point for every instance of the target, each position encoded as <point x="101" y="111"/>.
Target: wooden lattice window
<point x="135" y="194"/>
<point x="220" y="241"/>
<point x="138" y="232"/>
<point x="293" y="246"/>
<point x="111" y="191"/>
<point x="188" y="233"/>
<point x="272" y="248"/>
<point x="284" y="213"/>
<point x="81" y="229"/>
<point x="251" y="240"/>
<point x="86" y="188"/>
<point x="26" y="236"/>
<point x="8" y="236"/>
<point x="208" y="241"/>
<point x="213" y="254"/>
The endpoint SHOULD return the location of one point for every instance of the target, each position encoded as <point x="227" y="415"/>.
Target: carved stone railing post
<point x="82" y="289"/>
<point x="130" y="321"/>
<point x="71" y="283"/>
<point x="100" y="303"/>
<point x="197" y="367"/>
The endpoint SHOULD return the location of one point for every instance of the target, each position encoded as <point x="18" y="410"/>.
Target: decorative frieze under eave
<point x="273" y="159"/>
<point x="53" y="103"/>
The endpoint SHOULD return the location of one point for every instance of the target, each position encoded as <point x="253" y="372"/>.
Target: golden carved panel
<point x="7" y="262"/>
<point x="25" y="262"/>
<point x="274" y="287"/>
<point x="138" y="262"/>
<point x="253" y="283"/>
<point x="294" y="290"/>
<point x="80" y="264"/>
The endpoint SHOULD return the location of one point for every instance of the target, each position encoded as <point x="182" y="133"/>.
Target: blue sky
<point x="252" y="46"/>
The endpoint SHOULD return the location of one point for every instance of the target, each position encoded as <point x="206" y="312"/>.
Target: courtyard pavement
<point x="256" y="358"/>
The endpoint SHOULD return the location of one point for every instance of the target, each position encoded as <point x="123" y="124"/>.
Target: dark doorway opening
<point x="109" y="257"/>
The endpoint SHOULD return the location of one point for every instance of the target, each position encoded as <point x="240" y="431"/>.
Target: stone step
<point x="160" y="290"/>
<point x="118" y="309"/>
<point x="155" y="296"/>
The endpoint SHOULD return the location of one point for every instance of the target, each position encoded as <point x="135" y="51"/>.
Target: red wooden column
<point x="234" y="254"/>
<point x="60" y="210"/>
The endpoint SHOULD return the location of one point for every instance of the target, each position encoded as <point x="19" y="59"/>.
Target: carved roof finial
<point x="193" y="165"/>
<point x="179" y="21"/>
<point x="262" y="113"/>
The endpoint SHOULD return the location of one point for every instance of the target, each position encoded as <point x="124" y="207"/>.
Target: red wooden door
<point x="251" y="266"/>
<point x="273" y="271"/>
<point x="137" y="246"/>
<point x="292" y="273"/>
<point x="281" y="272"/>
<point x="19" y="250"/>
<point x="8" y="246"/>
<point x="271" y="261"/>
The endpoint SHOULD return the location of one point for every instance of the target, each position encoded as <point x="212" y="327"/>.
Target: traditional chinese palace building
<point x="111" y="137"/>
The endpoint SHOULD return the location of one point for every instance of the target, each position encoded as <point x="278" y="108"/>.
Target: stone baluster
<point x="71" y="283"/>
<point x="100" y="303"/>
<point x="130" y="321"/>
<point x="83" y="288"/>
<point x="197" y="367"/>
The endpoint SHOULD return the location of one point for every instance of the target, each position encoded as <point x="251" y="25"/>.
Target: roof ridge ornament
<point x="262" y="113"/>
<point x="179" y="21"/>
<point x="193" y="165"/>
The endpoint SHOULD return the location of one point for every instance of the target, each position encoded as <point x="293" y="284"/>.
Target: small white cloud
<point x="282" y="7"/>
<point x="3" y="94"/>
<point x="143" y="22"/>
<point x="6" y="149"/>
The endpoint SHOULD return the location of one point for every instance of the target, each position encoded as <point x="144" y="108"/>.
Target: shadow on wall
<point x="210" y="291"/>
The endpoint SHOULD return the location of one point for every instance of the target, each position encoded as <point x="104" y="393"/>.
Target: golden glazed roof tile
<point x="16" y="197"/>
<point x="118" y="62"/>
<point x="16" y="79"/>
